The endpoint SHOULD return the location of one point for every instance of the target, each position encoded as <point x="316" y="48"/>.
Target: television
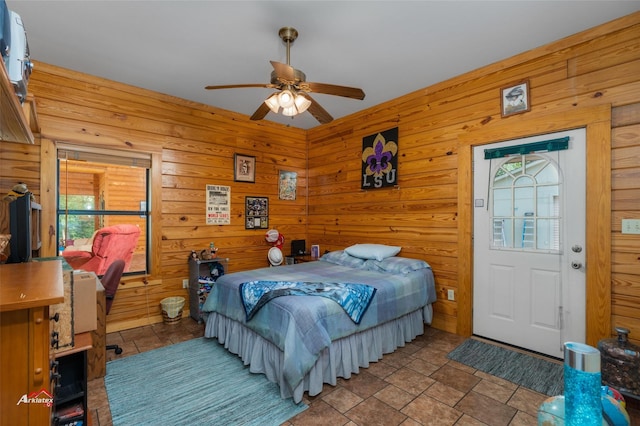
<point x="24" y="218"/>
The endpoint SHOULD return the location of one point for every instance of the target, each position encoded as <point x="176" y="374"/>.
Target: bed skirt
<point x="344" y="357"/>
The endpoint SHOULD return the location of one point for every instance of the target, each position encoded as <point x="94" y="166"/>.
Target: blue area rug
<point x="196" y="382"/>
<point x="532" y="372"/>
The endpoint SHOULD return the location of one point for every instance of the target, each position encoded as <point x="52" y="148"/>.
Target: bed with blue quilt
<point x="307" y="324"/>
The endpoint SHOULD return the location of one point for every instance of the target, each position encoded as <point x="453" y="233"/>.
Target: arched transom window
<point x="525" y="193"/>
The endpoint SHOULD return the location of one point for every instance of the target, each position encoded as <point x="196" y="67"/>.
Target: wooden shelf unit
<point x="16" y="121"/>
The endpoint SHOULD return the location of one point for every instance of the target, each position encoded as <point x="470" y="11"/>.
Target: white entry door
<point x="529" y="242"/>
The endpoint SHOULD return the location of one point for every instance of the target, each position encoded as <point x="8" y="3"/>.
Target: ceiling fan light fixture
<point x="290" y="111"/>
<point x="273" y="103"/>
<point x="286" y="98"/>
<point x="302" y="103"/>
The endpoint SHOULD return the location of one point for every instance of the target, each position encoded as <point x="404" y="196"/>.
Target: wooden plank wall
<point x="625" y="195"/>
<point x="600" y="67"/>
<point x="196" y="145"/>
<point x="596" y="68"/>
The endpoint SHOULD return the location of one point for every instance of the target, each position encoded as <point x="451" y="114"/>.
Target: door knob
<point x="576" y="265"/>
<point x="576" y="248"/>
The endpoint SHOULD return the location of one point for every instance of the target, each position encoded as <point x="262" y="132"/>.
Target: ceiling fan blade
<point x="261" y="112"/>
<point x="240" y="86"/>
<point x="284" y="71"/>
<point x="318" y="112"/>
<point x="332" y="89"/>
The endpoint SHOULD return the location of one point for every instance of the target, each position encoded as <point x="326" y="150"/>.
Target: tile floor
<point x="416" y="385"/>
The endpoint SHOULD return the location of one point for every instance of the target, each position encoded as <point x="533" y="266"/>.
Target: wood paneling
<point x="625" y="185"/>
<point x="574" y="83"/>
<point x="591" y="79"/>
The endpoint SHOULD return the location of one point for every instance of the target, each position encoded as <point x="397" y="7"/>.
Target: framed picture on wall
<point x="514" y="99"/>
<point x="287" y="185"/>
<point x="244" y="168"/>
<point x="256" y="213"/>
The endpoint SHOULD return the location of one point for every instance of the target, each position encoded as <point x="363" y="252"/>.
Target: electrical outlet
<point x="185" y="283"/>
<point x="451" y="295"/>
<point x="631" y="226"/>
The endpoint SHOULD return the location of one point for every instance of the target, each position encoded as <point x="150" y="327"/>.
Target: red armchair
<point x="109" y="243"/>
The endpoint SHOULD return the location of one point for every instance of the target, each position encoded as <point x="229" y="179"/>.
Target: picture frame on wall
<point x="287" y="185"/>
<point x="315" y="251"/>
<point x="256" y="213"/>
<point x="244" y="168"/>
<point x="515" y="99"/>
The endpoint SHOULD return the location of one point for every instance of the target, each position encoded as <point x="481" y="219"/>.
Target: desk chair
<point x="110" y="281"/>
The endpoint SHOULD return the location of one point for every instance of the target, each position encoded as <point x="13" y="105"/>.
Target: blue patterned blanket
<point x="353" y="298"/>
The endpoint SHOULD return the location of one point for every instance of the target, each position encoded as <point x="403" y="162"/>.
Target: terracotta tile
<point x="466" y="420"/>
<point x="410" y="348"/>
<point x="444" y="393"/>
<point x="500" y="381"/>
<point x="460" y="366"/>
<point x="373" y="412"/>
<point x="494" y="390"/>
<point x="381" y="369"/>
<point x="434" y="356"/>
<point x="523" y="419"/>
<point x="486" y="409"/>
<point x="394" y="396"/>
<point x="319" y="414"/>
<point x="422" y="366"/>
<point x="410" y="381"/>
<point x="114" y="339"/>
<point x="149" y="343"/>
<point x="342" y="399"/>
<point x="428" y="411"/>
<point x="446" y="343"/>
<point x="397" y="359"/>
<point x="137" y="333"/>
<point x="455" y="378"/>
<point x="527" y="400"/>
<point x="410" y="422"/>
<point x="363" y="384"/>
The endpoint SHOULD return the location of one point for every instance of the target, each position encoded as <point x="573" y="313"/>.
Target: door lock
<point x="576" y="265"/>
<point x="576" y="248"/>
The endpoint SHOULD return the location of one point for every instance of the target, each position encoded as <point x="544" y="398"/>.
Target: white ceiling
<point x="387" y="48"/>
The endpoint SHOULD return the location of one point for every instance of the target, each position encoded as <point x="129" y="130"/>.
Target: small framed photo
<point x="256" y="213"/>
<point x="315" y="251"/>
<point x="287" y="185"/>
<point x="514" y="99"/>
<point x="244" y="168"/>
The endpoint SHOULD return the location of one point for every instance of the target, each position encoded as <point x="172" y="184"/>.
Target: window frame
<point x="48" y="197"/>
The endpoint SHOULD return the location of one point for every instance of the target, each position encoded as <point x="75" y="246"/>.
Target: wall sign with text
<point x="380" y="159"/>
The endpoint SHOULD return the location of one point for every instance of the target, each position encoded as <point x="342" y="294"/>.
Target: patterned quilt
<point x="353" y="298"/>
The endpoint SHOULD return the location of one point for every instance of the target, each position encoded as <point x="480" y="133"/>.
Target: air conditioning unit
<point x="19" y="63"/>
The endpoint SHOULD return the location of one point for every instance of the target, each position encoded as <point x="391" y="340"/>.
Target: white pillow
<point x="372" y="251"/>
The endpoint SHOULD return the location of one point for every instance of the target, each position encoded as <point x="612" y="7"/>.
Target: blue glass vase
<point x="582" y="381"/>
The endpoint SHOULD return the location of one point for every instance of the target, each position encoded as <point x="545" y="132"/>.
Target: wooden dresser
<point x="26" y="291"/>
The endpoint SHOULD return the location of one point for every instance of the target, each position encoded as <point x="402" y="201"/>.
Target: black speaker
<point x="298" y="247"/>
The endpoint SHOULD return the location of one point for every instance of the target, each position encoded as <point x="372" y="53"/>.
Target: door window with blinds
<point x="97" y="189"/>
<point x="525" y="194"/>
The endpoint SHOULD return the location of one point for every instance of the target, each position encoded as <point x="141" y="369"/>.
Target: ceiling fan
<point x="293" y="95"/>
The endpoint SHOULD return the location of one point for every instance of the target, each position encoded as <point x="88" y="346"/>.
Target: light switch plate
<point x="631" y="226"/>
<point x="451" y="295"/>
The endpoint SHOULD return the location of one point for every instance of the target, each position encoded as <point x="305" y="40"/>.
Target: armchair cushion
<point x="109" y="243"/>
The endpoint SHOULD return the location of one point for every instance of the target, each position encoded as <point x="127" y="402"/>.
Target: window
<point x="97" y="189"/>
<point x="526" y="205"/>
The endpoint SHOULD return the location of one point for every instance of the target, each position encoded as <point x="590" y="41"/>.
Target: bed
<point x="301" y="342"/>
